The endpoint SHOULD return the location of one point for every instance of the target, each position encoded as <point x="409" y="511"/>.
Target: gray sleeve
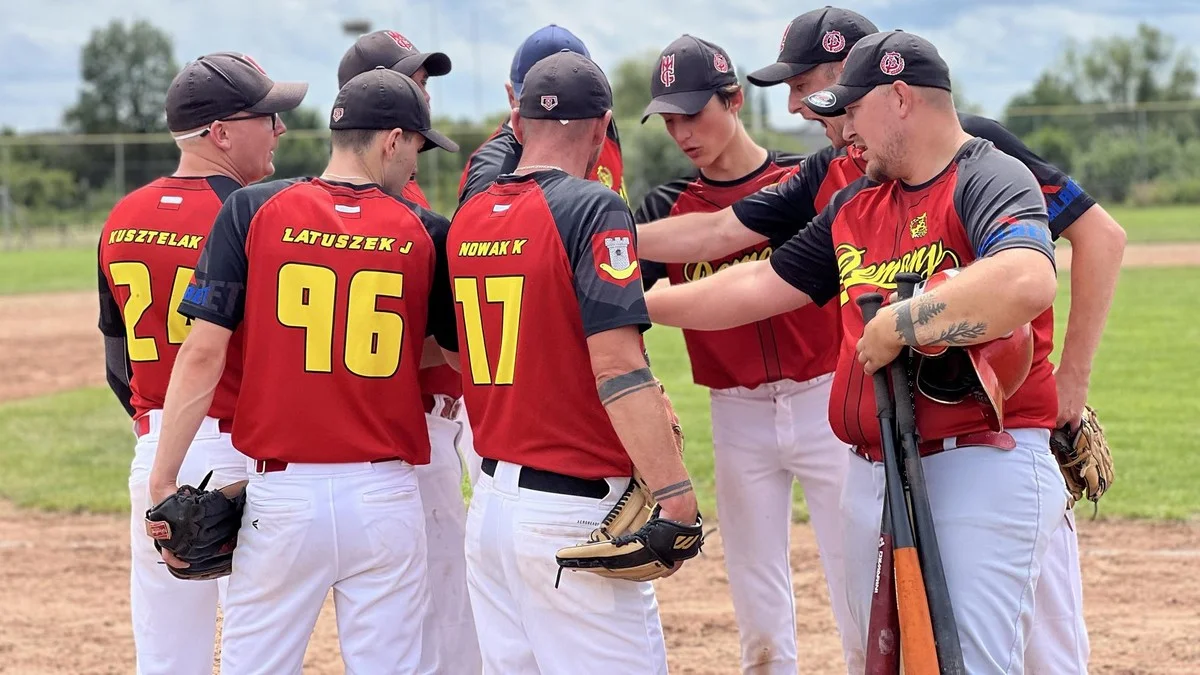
<point x="1001" y="205"/>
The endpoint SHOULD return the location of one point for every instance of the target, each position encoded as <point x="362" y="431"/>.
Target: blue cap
<point x="542" y="43"/>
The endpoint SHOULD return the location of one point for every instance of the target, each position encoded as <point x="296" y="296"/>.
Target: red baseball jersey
<point x="798" y="345"/>
<point x="148" y="247"/>
<point x="783" y="209"/>
<point x="500" y="154"/>
<point x="333" y="287"/>
<point x="413" y="193"/>
<point x="442" y="379"/>
<point x="983" y="203"/>
<point x="539" y="263"/>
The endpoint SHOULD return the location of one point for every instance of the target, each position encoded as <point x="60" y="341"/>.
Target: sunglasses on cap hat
<point x="201" y="133"/>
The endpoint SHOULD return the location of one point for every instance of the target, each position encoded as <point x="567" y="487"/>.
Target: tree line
<point x="1115" y="112"/>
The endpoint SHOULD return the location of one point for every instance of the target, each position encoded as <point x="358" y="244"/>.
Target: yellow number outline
<point x="508" y="291"/>
<point x="373" y="340"/>
<point x="136" y="276"/>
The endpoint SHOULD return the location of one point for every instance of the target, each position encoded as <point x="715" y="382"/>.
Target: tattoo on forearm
<point x="904" y="322"/>
<point x="962" y="333"/>
<point x="927" y="308"/>
<point x="680" y="488"/>
<point x="617" y="388"/>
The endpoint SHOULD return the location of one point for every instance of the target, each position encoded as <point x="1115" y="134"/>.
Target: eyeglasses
<point x="253" y="116"/>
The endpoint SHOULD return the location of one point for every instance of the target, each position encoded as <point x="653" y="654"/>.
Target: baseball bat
<point x="941" y="611"/>
<point x="883" y="628"/>
<point x="916" y="632"/>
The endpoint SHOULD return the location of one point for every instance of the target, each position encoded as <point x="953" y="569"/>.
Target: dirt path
<point x="48" y="343"/>
<point x="64" y="580"/>
<point x="1146" y="255"/>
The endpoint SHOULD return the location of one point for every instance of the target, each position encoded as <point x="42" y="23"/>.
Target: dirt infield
<point x="64" y="578"/>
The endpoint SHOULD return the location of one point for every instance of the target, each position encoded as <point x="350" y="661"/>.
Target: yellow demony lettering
<point x="924" y="260"/>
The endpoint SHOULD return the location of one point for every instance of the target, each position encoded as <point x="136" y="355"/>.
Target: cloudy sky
<point x="995" y="48"/>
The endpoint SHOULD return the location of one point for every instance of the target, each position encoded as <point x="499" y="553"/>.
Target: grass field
<point x="39" y="270"/>
<point x="1159" y="224"/>
<point x="44" y="270"/>
<point x="72" y="450"/>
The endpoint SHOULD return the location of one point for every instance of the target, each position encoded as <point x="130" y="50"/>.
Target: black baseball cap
<point x="820" y="36"/>
<point x="392" y="50"/>
<point x="218" y="86"/>
<point x="878" y="59"/>
<point x="690" y="70"/>
<point x="383" y="99"/>
<point x="565" y="86"/>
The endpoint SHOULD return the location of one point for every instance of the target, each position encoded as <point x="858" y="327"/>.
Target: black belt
<point x="548" y="481"/>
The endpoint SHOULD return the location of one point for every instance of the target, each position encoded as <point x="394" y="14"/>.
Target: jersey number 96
<point x="373" y="337"/>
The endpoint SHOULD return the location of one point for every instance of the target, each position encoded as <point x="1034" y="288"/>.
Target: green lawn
<point x="42" y="270"/>
<point x="1158" y="224"/>
<point x="72" y="450"/>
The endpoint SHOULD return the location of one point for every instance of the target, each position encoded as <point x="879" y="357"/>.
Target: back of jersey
<point x="538" y="263"/>
<point x="330" y="285"/>
<point x="148" y="248"/>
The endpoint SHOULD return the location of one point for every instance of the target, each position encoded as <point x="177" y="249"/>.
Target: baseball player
<point x="549" y="306"/>
<point x="440" y="480"/>
<point x="501" y="153"/>
<point x="811" y="57"/>
<point x="769" y="381"/>
<point x="934" y="198"/>
<point x="330" y="281"/>
<point x="223" y="113"/>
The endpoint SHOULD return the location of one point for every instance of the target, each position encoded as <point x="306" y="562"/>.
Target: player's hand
<point x="160" y="489"/>
<point x="1072" y="395"/>
<point x="880" y="343"/>
<point x="682" y="509"/>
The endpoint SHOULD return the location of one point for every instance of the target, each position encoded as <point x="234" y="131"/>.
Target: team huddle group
<point x="315" y="345"/>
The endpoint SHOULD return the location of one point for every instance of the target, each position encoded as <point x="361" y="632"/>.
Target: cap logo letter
<point x="720" y="63"/>
<point x="338" y="113"/>
<point x="833" y="42"/>
<point x="399" y="39"/>
<point x="783" y="40"/>
<point x="892" y="64"/>
<point x="550" y="102"/>
<point x="666" y="70"/>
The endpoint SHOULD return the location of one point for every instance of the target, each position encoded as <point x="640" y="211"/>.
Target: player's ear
<point x="514" y="119"/>
<point x="737" y="101"/>
<point x="219" y="134"/>
<point x="393" y="140"/>
<point x="512" y="95"/>
<point x="904" y="97"/>
<point x="602" y="128"/>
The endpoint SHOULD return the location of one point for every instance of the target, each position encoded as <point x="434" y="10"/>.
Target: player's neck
<point x="941" y="142"/>
<point x="741" y="157"/>
<point x="348" y="167"/>
<point x="537" y="157"/>
<point x="193" y="164"/>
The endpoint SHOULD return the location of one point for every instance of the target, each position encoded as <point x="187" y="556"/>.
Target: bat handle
<point x="906" y="284"/>
<point x="885" y="406"/>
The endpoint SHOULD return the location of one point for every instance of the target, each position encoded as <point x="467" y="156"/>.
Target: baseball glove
<point x="1084" y="458"/>
<point x="645" y="554"/>
<point x="200" y="527"/>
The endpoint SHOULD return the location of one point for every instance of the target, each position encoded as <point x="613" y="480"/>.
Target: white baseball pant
<point x="466" y="443"/>
<point x="1059" y="644"/>
<point x="357" y="528"/>
<point x="449" y="636"/>
<point x="763" y="440"/>
<point x="589" y="624"/>
<point x="995" y="513"/>
<point x="174" y="621"/>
